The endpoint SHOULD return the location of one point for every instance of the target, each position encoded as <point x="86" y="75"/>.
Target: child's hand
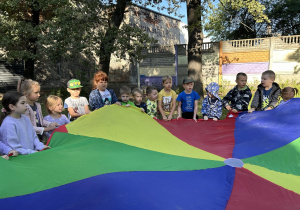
<point x="234" y="111"/>
<point x="205" y="118"/>
<point x="228" y="107"/>
<point x="118" y="103"/>
<point x="169" y="117"/>
<point x="46" y="147"/>
<point x="215" y="119"/>
<point x="13" y="152"/>
<point x="5" y="157"/>
<point x="127" y="105"/>
<point x="52" y="126"/>
<point x="269" y="108"/>
<point x="195" y="119"/>
<point x="251" y="110"/>
<point x="165" y="118"/>
<point x="143" y="110"/>
<point x="178" y="117"/>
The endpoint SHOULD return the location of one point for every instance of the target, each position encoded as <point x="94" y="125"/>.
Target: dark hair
<point x="270" y="73"/>
<point x="11" y="97"/>
<point x="149" y="89"/>
<point x="125" y="90"/>
<point x="240" y="74"/>
<point x="288" y="93"/>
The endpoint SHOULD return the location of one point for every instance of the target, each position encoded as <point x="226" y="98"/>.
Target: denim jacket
<point x="96" y="100"/>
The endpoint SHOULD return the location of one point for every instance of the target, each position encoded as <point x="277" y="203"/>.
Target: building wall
<point x="222" y="61"/>
<point x="165" y="29"/>
<point x="253" y="56"/>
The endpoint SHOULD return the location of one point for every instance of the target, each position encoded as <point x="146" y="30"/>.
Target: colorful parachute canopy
<point x="120" y="158"/>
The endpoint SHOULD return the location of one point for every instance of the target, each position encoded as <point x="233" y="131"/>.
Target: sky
<point x="181" y="11"/>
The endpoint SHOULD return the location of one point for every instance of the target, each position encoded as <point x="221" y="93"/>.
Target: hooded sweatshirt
<point x="212" y="108"/>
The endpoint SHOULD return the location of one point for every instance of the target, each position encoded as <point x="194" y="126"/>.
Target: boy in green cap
<point x="76" y="105"/>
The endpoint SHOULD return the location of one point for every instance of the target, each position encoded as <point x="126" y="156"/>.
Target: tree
<point x="30" y="30"/>
<point x="284" y="19"/>
<point x="62" y="27"/>
<point x="20" y="28"/>
<point x="197" y="11"/>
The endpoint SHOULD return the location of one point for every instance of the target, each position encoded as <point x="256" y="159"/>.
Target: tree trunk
<point x="107" y="46"/>
<point x="195" y="44"/>
<point x="32" y="42"/>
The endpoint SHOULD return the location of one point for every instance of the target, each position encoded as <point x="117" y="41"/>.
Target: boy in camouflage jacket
<point x="238" y="98"/>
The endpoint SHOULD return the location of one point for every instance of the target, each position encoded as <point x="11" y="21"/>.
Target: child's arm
<point x="179" y="110"/>
<point x="245" y="100"/>
<point x="4" y="149"/>
<point x="227" y="99"/>
<point x="159" y="106"/>
<point x="93" y="100"/>
<point x="204" y="108"/>
<point x="274" y="99"/>
<point x="219" y="111"/>
<point x="87" y="109"/>
<point x="14" y="142"/>
<point x="114" y="98"/>
<point x="173" y="108"/>
<point x="195" y="110"/>
<point x="73" y="113"/>
<point x="255" y="102"/>
<point x="40" y="130"/>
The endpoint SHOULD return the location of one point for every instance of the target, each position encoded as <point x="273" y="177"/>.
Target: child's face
<point x="188" y="87"/>
<point x="138" y="98"/>
<point x="266" y="81"/>
<point x="125" y="97"/>
<point x="241" y="81"/>
<point x="20" y="107"/>
<point x="75" y="92"/>
<point x="211" y="95"/>
<point x="57" y="107"/>
<point x="153" y="95"/>
<point x="35" y="94"/>
<point x="102" y="85"/>
<point x="167" y="84"/>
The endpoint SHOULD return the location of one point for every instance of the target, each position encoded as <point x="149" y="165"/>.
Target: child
<point x="77" y="105"/>
<point x="188" y="101"/>
<point x="238" y="98"/>
<point x="266" y="95"/>
<point x="125" y="93"/>
<point x="287" y="93"/>
<point x="54" y="107"/>
<point x="167" y="99"/>
<point x="152" y="101"/>
<point x="212" y="103"/>
<point x="31" y="89"/>
<point x="6" y="150"/>
<point x="16" y="129"/>
<point x="138" y="97"/>
<point x="101" y="96"/>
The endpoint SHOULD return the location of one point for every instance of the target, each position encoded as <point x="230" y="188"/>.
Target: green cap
<point x="74" y="83"/>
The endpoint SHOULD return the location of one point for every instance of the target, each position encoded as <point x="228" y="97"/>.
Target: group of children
<point x="23" y="126"/>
